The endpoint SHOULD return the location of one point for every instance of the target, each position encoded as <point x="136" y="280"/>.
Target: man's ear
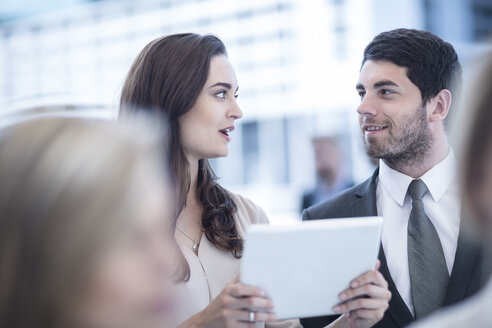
<point x="440" y="105"/>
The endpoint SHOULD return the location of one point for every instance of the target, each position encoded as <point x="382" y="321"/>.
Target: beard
<point x="406" y="147"/>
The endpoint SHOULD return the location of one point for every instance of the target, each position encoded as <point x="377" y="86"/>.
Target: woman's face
<point x="206" y="128"/>
<point x="129" y="286"/>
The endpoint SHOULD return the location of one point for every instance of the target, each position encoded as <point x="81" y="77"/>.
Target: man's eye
<point x="236" y="95"/>
<point x="221" y="94"/>
<point x="386" y="92"/>
<point x="362" y="94"/>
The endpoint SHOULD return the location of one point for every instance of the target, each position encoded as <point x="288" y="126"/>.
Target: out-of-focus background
<point x="297" y="63"/>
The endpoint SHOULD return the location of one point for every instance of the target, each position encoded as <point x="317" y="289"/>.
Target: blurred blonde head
<point x="84" y="213"/>
<point x="474" y="139"/>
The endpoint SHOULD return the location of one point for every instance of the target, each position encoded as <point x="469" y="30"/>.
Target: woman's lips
<point x="225" y="132"/>
<point x="225" y="135"/>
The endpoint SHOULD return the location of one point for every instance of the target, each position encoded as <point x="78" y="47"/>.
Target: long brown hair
<point x="166" y="79"/>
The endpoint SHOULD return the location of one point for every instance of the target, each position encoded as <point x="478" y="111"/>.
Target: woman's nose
<point x="235" y="112"/>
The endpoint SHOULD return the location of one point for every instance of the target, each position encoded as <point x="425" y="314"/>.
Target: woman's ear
<point x="440" y="105"/>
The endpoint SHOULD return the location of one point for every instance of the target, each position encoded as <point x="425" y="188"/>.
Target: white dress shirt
<point x="442" y="206"/>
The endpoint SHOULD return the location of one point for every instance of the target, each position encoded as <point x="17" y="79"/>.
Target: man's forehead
<point x="374" y="71"/>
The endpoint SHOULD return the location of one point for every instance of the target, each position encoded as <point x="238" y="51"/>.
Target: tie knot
<point x="417" y="189"/>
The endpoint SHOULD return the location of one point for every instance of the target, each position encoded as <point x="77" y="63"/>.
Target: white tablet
<point x="303" y="266"/>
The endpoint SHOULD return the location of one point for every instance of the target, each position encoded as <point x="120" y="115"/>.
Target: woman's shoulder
<point x="473" y="312"/>
<point x="247" y="211"/>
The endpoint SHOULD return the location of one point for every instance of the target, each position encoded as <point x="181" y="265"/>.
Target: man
<point x="330" y="180"/>
<point x="406" y="86"/>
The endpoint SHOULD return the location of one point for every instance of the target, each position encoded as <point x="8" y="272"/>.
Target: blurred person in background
<point x="477" y="198"/>
<point x="85" y="238"/>
<point x="187" y="79"/>
<point x="407" y="82"/>
<point x="328" y="161"/>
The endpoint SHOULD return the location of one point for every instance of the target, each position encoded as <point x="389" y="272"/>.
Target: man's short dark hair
<point x="432" y="64"/>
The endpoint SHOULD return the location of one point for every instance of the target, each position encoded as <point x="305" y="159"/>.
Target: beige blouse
<point x="212" y="269"/>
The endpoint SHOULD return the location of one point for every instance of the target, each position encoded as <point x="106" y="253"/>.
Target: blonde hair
<point x="67" y="186"/>
<point x="473" y="136"/>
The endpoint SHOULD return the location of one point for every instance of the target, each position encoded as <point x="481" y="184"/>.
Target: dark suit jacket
<point x="470" y="271"/>
<point x="310" y="199"/>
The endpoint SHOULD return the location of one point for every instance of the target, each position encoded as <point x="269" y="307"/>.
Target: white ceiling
<point x="12" y="9"/>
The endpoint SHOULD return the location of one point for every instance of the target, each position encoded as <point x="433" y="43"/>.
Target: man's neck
<point x="417" y="169"/>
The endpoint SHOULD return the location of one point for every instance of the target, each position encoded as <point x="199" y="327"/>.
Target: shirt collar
<point x="437" y="179"/>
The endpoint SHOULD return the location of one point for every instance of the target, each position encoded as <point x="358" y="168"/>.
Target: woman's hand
<point x="365" y="302"/>
<point x="231" y="308"/>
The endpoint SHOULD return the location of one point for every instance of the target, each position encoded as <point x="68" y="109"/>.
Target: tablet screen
<point x="303" y="267"/>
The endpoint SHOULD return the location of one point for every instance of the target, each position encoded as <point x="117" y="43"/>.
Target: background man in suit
<point x="330" y="179"/>
<point x="406" y="86"/>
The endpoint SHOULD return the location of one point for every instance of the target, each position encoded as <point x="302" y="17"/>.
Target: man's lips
<point x="372" y="128"/>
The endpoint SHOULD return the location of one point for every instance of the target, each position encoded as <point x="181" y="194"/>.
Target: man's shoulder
<point x="337" y="205"/>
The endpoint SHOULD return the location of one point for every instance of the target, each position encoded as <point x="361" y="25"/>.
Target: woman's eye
<point x="221" y="94"/>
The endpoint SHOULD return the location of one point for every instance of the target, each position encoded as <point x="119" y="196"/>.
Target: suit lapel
<point x="398" y="310"/>
<point x="365" y="205"/>
<point x="467" y="252"/>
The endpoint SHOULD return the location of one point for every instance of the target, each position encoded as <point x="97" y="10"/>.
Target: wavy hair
<point x="166" y="79"/>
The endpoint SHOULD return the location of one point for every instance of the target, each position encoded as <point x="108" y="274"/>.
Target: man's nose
<point x="367" y="106"/>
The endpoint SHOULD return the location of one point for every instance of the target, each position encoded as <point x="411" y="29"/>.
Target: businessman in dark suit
<point x="330" y="178"/>
<point x="406" y="86"/>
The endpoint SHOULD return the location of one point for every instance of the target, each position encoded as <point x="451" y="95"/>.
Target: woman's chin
<point x="218" y="154"/>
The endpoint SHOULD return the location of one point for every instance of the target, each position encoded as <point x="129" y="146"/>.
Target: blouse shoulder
<point x="248" y="213"/>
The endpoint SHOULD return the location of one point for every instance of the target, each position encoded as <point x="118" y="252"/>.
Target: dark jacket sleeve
<point x="337" y="206"/>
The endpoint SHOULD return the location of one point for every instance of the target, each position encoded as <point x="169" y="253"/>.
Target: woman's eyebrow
<point x="228" y="86"/>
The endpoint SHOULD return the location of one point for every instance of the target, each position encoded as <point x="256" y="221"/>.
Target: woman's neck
<point x="189" y="224"/>
<point x="192" y="197"/>
<point x="190" y="217"/>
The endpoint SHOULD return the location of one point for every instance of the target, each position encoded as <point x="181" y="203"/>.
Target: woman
<point x="188" y="79"/>
<point x="85" y="240"/>
<point x="477" y="191"/>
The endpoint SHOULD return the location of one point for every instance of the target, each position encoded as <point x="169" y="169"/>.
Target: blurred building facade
<point x="297" y="64"/>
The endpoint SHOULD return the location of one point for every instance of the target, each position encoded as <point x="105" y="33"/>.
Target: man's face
<point x="327" y="160"/>
<point x="394" y="122"/>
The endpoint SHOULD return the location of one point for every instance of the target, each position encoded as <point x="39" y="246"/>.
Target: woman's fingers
<point x="260" y="303"/>
<point x="241" y="290"/>
<point x="239" y="297"/>
<point x="238" y="317"/>
<point x="260" y="316"/>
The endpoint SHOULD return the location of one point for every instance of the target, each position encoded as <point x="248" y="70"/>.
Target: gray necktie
<point x="428" y="271"/>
